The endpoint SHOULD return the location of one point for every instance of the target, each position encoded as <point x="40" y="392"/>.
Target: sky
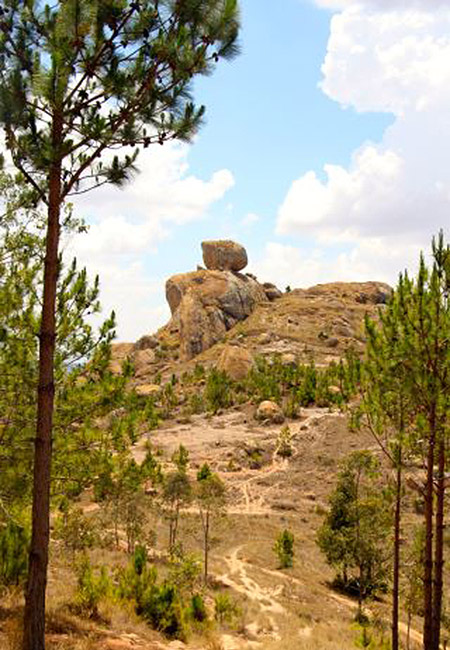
<point x="325" y="152"/>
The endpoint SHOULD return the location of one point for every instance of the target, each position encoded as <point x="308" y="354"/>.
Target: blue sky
<point x="324" y="152"/>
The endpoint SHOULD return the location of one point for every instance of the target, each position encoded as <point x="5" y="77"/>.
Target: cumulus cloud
<point x="391" y="57"/>
<point x="126" y="225"/>
<point x="383" y="5"/>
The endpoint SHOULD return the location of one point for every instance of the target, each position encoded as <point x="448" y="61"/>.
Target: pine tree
<point x="353" y="535"/>
<point x="414" y="367"/>
<point x="79" y="79"/>
<point x="211" y="499"/>
<point x="388" y="410"/>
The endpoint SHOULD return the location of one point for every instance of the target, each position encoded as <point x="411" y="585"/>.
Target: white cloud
<point x="394" y="57"/>
<point x="126" y="225"/>
<point x="384" y="5"/>
<point x="249" y="220"/>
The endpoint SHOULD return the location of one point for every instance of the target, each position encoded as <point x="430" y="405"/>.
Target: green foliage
<point x="74" y="529"/>
<point x="204" y="472"/>
<point x="160" y="605"/>
<point x="84" y="382"/>
<point x="177" y="493"/>
<point x="163" y="610"/>
<point x="354" y="533"/>
<point x="135" y="59"/>
<point x="185" y="571"/>
<point x="217" y="390"/>
<point x="226" y="609"/>
<point x="180" y="458"/>
<point x="92" y="588"/>
<point x="284" y="549"/>
<point x="197" y="610"/>
<point x="302" y="384"/>
<point x="14" y="542"/>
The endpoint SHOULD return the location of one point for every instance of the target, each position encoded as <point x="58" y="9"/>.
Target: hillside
<point x="274" y="350"/>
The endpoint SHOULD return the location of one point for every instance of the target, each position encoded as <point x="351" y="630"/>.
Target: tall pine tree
<point x="78" y="80"/>
<point x="409" y="367"/>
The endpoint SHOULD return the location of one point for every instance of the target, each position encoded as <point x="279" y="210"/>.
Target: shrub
<point x="75" y="530"/>
<point x="91" y="588"/>
<point x="226" y="609"/>
<point x="217" y="391"/>
<point x="284" y="548"/>
<point x="284" y="442"/>
<point x="161" y="607"/>
<point x="197" y="609"/>
<point x="14" y="542"/>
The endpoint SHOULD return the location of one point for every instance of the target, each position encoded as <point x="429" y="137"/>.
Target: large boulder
<point x="224" y="255"/>
<point x="236" y="362"/>
<point x="206" y="304"/>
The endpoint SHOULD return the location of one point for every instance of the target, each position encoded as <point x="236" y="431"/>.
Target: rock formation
<point x="206" y="303"/>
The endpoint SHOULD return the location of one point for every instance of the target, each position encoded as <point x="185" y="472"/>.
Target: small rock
<point x="272" y="292"/>
<point x="332" y="342"/>
<point x="270" y="411"/>
<point x="289" y="359"/>
<point x="148" y="390"/>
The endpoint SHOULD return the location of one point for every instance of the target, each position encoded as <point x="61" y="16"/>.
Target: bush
<point x="197" y="609"/>
<point x="225" y="609"/>
<point x="284" y="548"/>
<point x="91" y="588"/>
<point x="14" y="543"/>
<point x="161" y="607"/>
<point x="75" y="530"/>
<point x="284" y="444"/>
<point x="217" y="391"/>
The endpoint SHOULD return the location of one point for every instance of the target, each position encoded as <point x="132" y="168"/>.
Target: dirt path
<point x="238" y="578"/>
<point x="252" y="503"/>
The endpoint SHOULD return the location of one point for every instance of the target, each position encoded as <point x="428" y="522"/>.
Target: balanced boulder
<point x="224" y="255"/>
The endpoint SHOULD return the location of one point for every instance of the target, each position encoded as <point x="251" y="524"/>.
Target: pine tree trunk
<point x="34" y="615"/>
<point x="439" y="548"/>
<point x="428" y="559"/>
<point x="206" y="545"/>
<point x="396" y="569"/>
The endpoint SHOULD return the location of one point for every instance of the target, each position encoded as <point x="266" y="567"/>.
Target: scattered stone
<point x="272" y="292"/>
<point x="236" y="362"/>
<point x="148" y="390"/>
<point x="265" y="338"/>
<point x="224" y="255"/>
<point x="270" y="411"/>
<point x="288" y="359"/>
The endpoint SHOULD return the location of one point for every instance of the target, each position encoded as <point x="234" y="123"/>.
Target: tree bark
<point x="428" y="559"/>
<point x="34" y="615"/>
<point x="439" y="548"/>
<point x="206" y="545"/>
<point x="396" y="568"/>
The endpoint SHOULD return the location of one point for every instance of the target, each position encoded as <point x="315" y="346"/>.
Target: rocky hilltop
<point x="220" y="314"/>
